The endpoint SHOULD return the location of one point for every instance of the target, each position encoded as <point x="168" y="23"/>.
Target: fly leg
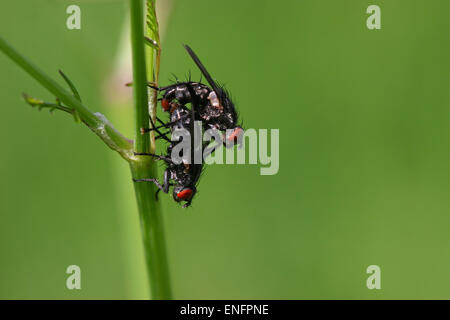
<point x="155" y="128"/>
<point x="155" y="181"/>
<point x="187" y="204"/>
<point x="161" y="135"/>
<point x="163" y="125"/>
<point x="164" y="136"/>
<point x="166" y="159"/>
<point x="153" y="86"/>
<point x="168" y="124"/>
<point x="166" y="185"/>
<point x="161" y="187"/>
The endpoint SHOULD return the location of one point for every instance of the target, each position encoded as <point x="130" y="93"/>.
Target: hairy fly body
<point x="215" y="107"/>
<point x="183" y="176"/>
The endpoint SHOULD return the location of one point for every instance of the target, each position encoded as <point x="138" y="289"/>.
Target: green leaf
<point x="74" y="90"/>
<point x="40" y="104"/>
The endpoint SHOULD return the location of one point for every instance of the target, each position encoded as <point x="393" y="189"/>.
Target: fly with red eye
<point x="215" y="108"/>
<point x="183" y="176"/>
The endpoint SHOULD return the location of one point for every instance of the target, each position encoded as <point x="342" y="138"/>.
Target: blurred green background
<point x="364" y="175"/>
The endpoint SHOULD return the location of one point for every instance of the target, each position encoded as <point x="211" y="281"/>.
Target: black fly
<point x="183" y="176"/>
<point x="215" y="107"/>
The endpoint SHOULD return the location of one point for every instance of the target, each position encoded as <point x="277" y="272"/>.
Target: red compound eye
<point x="235" y="135"/>
<point x="165" y="104"/>
<point x="184" y="194"/>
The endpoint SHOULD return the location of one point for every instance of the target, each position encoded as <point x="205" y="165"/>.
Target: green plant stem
<point x="153" y="54"/>
<point x="98" y="124"/>
<point x="143" y="166"/>
<point x="152" y="232"/>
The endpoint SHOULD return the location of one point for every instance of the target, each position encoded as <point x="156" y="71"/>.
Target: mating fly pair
<point x="213" y="107"/>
